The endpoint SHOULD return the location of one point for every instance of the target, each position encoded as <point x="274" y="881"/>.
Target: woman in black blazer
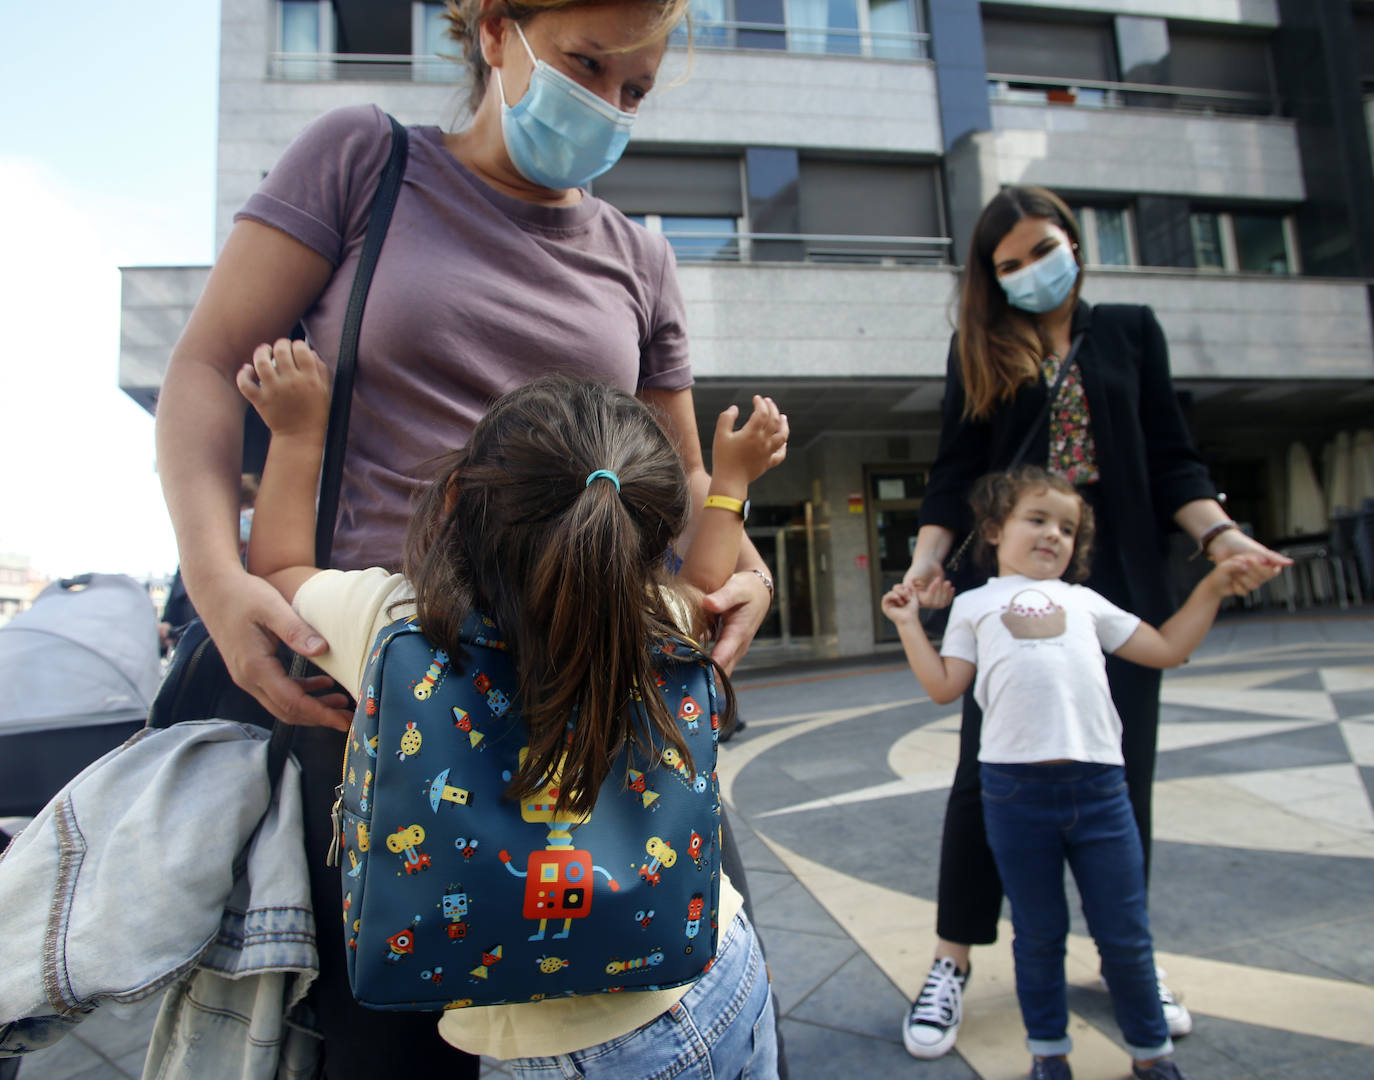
<point x="1116" y="430"/>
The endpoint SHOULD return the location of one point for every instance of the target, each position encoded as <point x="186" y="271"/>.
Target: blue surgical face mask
<point x="1044" y="284"/>
<point x="560" y="135"/>
<point x="245" y="524"/>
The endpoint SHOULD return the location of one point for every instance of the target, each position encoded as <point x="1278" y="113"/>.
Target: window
<point x="300" y="26"/>
<point x="673" y="184"/>
<point x="1261" y="243"/>
<point x="1207" y="249"/>
<point x="1108" y="235"/>
<point x="1067" y="50"/>
<point x="695" y="238"/>
<point x="850" y="201"/>
<point x="1243" y="241"/>
<point x="429" y="43"/>
<point x="305" y="29"/>
<point x="882" y="28"/>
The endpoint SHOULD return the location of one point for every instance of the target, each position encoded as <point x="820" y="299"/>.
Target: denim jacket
<point x="125" y="884"/>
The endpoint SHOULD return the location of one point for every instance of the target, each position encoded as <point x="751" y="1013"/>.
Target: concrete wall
<point x="1248" y="12"/>
<point x="879" y="322"/>
<point x="1143" y="151"/>
<point x="777" y="99"/>
<point x="801" y="320"/>
<point x="155" y="303"/>
<point x="1251" y="327"/>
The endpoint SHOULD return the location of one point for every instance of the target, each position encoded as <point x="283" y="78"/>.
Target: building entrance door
<point x="894" y="505"/>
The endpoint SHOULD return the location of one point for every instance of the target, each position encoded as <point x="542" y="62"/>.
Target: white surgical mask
<point x="560" y="135"/>
<point x="1044" y="284"/>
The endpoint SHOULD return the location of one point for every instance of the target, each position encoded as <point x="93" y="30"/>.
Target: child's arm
<point x="944" y="678"/>
<point x="738" y="458"/>
<point x="289" y="386"/>
<point x="1175" y="641"/>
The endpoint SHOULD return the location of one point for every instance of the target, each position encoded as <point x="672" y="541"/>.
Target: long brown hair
<point x="1000" y="348"/>
<point x="465" y="17"/>
<point x="995" y="496"/>
<point x="569" y="570"/>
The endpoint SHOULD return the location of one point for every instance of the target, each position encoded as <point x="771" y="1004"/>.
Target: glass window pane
<point x="702" y="239"/>
<point x="300" y="26"/>
<point x="436" y="40"/>
<point x="1112" y="249"/>
<point x="708" y="17"/>
<point x="1260" y="245"/>
<point x="1206" y="230"/>
<point x="812" y="18"/>
<point x="892" y="17"/>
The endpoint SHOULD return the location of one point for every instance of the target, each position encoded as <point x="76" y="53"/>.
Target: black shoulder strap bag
<point x="956" y="560"/>
<point x="197" y="685"/>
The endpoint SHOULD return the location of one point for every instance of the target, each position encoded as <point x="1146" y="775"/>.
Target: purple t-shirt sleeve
<point x="665" y="364"/>
<point x="308" y="195"/>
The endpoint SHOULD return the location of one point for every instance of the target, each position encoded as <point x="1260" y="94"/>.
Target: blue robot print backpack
<point x="454" y="895"/>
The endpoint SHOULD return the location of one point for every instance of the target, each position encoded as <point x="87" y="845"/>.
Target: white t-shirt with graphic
<point x="1042" y="676"/>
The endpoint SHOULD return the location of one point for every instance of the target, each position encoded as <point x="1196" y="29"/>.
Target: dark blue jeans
<point x="1037" y="817"/>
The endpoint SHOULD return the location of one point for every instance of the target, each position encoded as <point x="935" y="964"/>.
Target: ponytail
<point x="570" y="571"/>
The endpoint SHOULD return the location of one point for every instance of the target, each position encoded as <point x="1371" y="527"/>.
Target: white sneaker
<point x="932" y="1024"/>
<point x="1176" y="1015"/>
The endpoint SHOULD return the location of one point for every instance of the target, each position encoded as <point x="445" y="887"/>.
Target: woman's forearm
<point x="199" y="449"/>
<point x="1196" y="517"/>
<point x="933" y="542"/>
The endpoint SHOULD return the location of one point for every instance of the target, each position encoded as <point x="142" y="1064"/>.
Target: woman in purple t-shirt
<point x="498" y="266"/>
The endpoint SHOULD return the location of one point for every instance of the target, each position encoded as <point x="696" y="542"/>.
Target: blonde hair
<point x="465" y="17"/>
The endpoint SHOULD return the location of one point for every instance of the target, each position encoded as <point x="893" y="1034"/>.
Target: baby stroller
<point x="79" y="670"/>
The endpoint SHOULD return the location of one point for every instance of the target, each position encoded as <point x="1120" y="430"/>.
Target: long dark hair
<point x="995" y="496"/>
<point x="1000" y="348"/>
<point x="570" y="571"/>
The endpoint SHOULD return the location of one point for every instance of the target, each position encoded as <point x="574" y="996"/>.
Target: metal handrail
<point x="1201" y="95"/>
<point x="738" y="246"/>
<point x="701" y="29"/>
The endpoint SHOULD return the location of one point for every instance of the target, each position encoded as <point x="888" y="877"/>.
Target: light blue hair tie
<point x="604" y="474"/>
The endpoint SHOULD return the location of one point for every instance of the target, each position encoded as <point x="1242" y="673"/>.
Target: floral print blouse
<point x="1072" y="452"/>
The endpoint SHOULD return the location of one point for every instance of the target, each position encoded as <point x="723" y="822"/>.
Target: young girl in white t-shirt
<point x="555" y="520"/>
<point x="1054" y="787"/>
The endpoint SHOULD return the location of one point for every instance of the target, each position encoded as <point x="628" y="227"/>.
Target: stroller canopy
<point x="85" y="653"/>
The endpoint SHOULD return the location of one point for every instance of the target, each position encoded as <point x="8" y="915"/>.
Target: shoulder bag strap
<point x="336" y="439"/>
<point x="957" y="558"/>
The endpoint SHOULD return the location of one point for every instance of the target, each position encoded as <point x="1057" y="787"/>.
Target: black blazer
<point x="1145" y="455"/>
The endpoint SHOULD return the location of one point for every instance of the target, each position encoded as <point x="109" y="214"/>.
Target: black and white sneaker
<point x="932" y="1023"/>
<point x="1176" y="1015"/>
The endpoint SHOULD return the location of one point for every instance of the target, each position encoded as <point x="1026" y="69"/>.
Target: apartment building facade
<point x="818" y="169"/>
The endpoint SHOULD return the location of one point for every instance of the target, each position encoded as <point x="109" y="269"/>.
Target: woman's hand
<point x="1241" y="574"/>
<point x="247" y="618"/>
<point x="926" y="574"/>
<point x="742" y="604"/>
<point x="1233" y="542"/>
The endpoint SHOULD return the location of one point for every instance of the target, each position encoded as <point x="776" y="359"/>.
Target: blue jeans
<point x="723" y="1029"/>
<point x="1037" y="816"/>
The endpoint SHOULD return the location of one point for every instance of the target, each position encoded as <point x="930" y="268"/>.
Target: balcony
<point x="816" y="248"/>
<point x="1134" y="138"/>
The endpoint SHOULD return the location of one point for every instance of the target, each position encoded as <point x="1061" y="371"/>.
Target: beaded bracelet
<point x="767" y="581"/>
<point x="1205" y="540"/>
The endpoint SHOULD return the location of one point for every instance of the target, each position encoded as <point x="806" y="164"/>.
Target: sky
<point x="107" y="159"/>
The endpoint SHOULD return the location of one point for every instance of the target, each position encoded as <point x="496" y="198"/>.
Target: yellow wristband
<point x="724" y="502"/>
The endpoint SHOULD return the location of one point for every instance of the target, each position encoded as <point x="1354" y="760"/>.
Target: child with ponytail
<point x="555" y="520"/>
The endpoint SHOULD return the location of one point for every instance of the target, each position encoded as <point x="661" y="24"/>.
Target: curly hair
<point x="996" y="495"/>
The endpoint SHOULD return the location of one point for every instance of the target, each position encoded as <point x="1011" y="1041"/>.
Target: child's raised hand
<point x="743" y="456"/>
<point x="1241" y="574"/>
<point x="288" y="384"/>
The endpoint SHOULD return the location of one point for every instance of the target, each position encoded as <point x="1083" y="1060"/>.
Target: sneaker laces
<point x="938" y="1003"/>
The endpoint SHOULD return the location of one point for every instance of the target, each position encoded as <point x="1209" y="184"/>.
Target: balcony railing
<point x="363" y="67"/>
<point x="805" y="40"/>
<point x="741" y="247"/>
<point x="1096" y="94"/>
<point x="812" y="40"/>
